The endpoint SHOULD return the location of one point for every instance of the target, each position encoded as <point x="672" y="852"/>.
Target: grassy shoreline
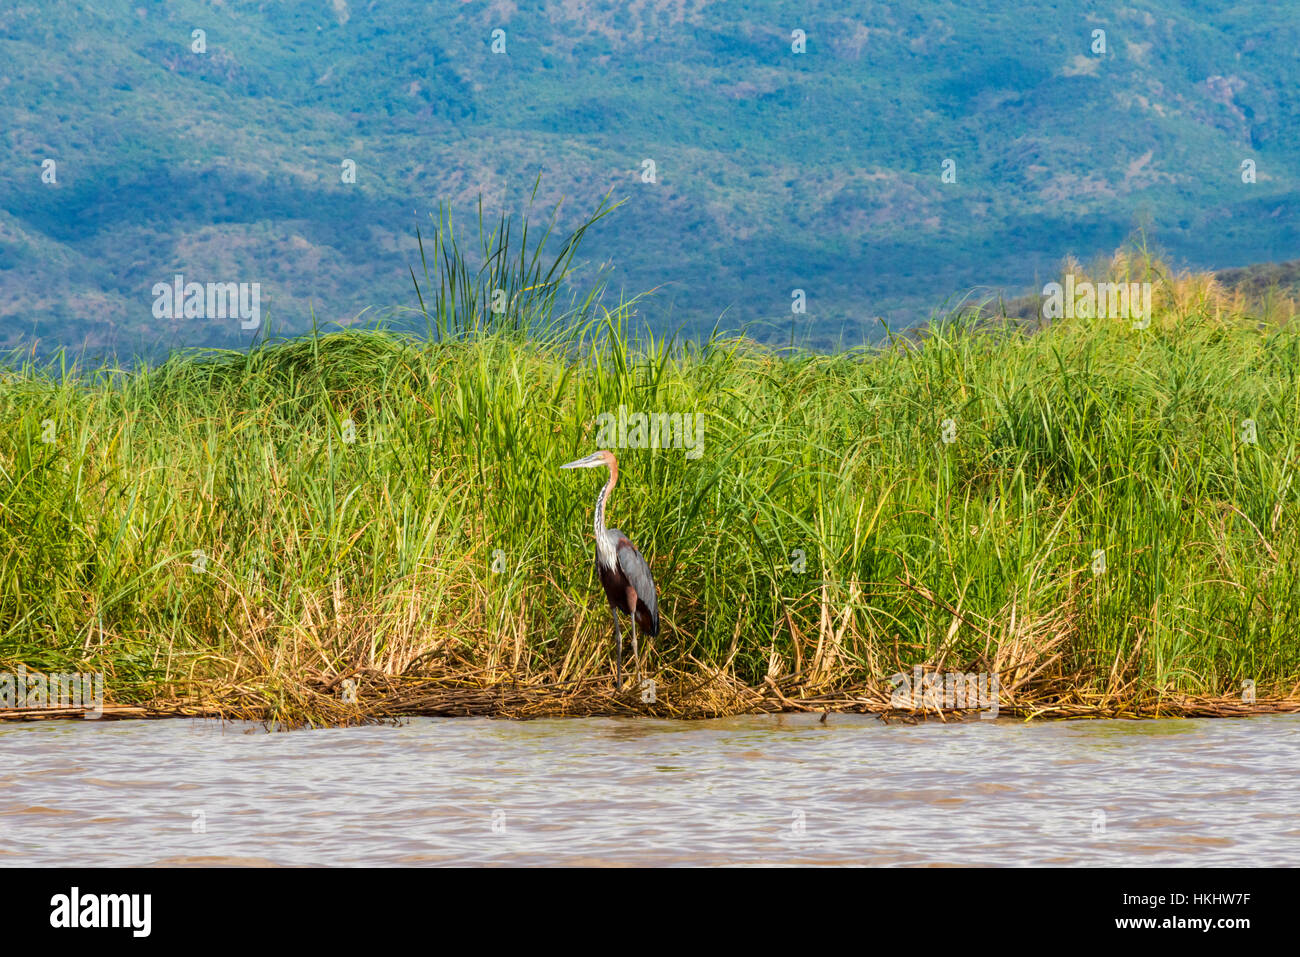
<point x="235" y="532"/>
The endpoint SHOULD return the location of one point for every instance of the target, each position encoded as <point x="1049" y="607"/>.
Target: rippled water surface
<point x="754" y="790"/>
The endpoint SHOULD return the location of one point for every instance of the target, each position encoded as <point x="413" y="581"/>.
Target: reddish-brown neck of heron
<point x="603" y="497"/>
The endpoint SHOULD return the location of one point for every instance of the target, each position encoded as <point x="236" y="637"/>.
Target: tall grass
<point x="252" y="524"/>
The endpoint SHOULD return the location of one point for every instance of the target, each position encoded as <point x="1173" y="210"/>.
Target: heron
<point x="621" y="569"/>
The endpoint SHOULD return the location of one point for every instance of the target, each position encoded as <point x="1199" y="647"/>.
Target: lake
<point x="782" y="789"/>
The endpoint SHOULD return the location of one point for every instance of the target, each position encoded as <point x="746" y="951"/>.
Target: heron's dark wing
<point x="634" y="567"/>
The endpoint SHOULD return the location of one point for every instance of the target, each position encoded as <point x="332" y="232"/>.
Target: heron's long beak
<point x="586" y="462"/>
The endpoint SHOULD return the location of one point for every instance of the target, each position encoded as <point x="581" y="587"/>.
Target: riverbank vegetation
<point x="1100" y="512"/>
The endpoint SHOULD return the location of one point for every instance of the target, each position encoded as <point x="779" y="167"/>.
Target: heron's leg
<point x="636" y="654"/>
<point x="618" y="662"/>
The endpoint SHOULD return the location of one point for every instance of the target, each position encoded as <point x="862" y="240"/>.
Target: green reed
<point x="373" y="499"/>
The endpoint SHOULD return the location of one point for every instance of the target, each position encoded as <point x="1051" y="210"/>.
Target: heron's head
<point x="594" y="460"/>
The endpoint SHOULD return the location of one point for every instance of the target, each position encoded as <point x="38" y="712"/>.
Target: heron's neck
<point x="601" y="497"/>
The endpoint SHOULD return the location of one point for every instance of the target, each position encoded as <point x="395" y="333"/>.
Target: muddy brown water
<point x="750" y="790"/>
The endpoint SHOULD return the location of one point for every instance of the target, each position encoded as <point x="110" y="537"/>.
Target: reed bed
<point x="364" y="524"/>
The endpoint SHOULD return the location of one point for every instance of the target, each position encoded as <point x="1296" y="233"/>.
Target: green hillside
<point x="775" y="171"/>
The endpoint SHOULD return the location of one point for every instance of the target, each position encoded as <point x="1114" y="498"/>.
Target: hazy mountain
<point x="774" y="170"/>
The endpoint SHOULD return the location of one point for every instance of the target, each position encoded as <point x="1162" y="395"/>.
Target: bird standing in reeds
<point x="622" y="571"/>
